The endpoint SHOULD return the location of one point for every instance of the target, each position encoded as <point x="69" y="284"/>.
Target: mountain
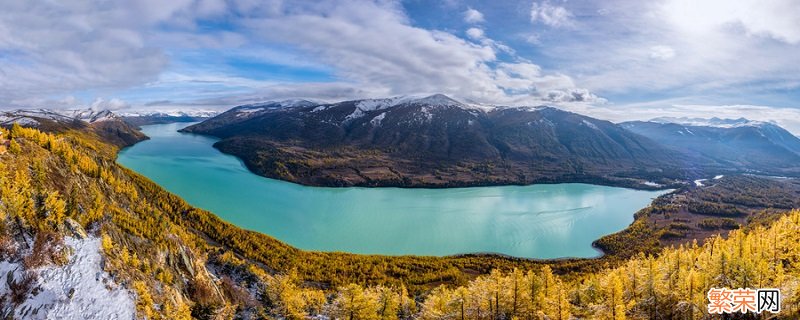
<point x="726" y="145"/>
<point x="432" y="141"/>
<point x="141" y="118"/>
<point x="103" y="122"/>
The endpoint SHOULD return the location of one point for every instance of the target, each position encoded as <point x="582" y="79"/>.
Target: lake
<point x="536" y="221"/>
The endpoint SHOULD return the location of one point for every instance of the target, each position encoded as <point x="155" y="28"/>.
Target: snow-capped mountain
<point x="712" y="122"/>
<point x="414" y="135"/>
<point x="195" y="113"/>
<point x="34" y="116"/>
<point x="103" y="122"/>
<point x="147" y="117"/>
<point x="728" y="144"/>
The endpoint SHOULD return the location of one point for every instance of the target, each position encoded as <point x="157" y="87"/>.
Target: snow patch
<point x="78" y="290"/>
<point x="426" y="112"/>
<point x="23" y="121"/>
<point x="320" y="108"/>
<point x="718" y="177"/>
<point x="699" y="182"/>
<point x="546" y="122"/>
<point x="651" y="184"/>
<point x="247" y="112"/>
<point x="528" y="108"/>
<point x="590" y="124"/>
<point x="377" y="120"/>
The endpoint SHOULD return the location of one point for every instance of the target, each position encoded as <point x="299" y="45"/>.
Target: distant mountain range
<point x="435" y="141"/>
<point x="726" y="145"/>
<point x="141" y="118"/>
<point x="103" y="122"/>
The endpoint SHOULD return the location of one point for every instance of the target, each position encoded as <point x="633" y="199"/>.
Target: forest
<point x="182" y="262"/>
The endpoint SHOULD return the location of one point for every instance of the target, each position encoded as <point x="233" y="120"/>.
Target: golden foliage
<point x="672" y="285"/>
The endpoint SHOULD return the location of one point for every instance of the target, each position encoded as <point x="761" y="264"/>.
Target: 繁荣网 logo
<point x="724" y="300"/>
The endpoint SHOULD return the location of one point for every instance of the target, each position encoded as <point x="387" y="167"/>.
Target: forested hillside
<point x="672" y="285"/>
<point x="178" y="262"/>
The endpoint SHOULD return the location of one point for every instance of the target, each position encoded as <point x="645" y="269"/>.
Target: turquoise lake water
<point x="537" y="221"/>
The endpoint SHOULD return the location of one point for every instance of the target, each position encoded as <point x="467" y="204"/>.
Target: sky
<point x="616" y="59"/>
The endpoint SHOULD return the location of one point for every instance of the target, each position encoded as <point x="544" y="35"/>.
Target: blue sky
<point x="616" y="59"/>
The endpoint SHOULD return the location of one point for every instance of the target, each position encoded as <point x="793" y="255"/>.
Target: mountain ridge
<point x="728" y="146"/>
<point x="434" y="141"/>
<point x="103" y="122"/>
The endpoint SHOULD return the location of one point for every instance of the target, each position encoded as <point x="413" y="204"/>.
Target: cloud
<point x="551" y="15"/>
<point x="778" y="19"/>
<point x="49" y="47"/>
<point x="651" y="50"/>
<point x="475" y="33"/>
<point x="372" y="47"/>
<point x="144" y="51"/>
<point x="473" y="16"/>
<point x="112" y="104"/>
<point x="662" y="52"/>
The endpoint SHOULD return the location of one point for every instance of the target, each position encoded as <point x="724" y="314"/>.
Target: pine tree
<point x="14" y="147"/>
<point x="55" y="208"/>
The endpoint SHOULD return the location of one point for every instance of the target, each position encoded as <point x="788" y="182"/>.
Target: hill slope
<point x="106" y="124"/>
<point x="432" y="142"/>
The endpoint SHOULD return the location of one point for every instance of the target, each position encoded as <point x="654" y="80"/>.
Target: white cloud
<point x="680" y="48"/>
<point x="112" y="104"/>
<point x="778" y="19"/>
<point x="374" y="49"/>
<point x="50" y="47"/>
<point x="551" y="15"/>
<point x="371" y="48"/>
<point x="662" y="52"/>
<point x="475" y="33"/>
<point x="473" y="16"/>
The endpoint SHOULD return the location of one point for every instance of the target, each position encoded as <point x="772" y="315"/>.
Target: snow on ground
<point x="377" y="120"/>
<point x="718" y="177"/>
<point x="651" y="184"/>
<point x="320" y="108"/>
<point x="78" y="290"/>
<point x="246" y="112"/>
<point x="590" y="124"/>
<point x="699" y="182"/>
<point x="23" y="121"/>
